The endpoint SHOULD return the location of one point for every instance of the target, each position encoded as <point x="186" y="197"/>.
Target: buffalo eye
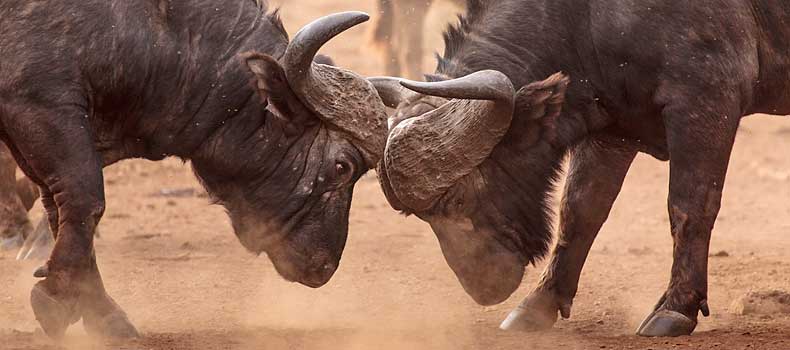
<point x="343" y="172"/>
<point x="341" y="168"/>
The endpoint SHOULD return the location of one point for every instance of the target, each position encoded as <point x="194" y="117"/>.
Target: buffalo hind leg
<point x="595" y="176"/>
<point x="14" y="224"/>
<point x="65" y="162"/>
<point x="38" y="243"/>
<point x="699" y="144"/>
<point x="27" y="191"/>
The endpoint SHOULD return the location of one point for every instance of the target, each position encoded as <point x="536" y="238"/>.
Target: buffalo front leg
<point x="14" y="224"/>
<point x="699" y="148"/>
<point x="65" y="162"/>
<point x="72" y="286"/>
<point x="595" y="176"/>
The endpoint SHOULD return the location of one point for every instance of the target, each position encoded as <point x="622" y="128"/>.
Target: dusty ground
<point x="176" y="267"/>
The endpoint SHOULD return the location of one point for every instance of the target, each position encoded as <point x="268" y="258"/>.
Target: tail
<point x="383" y="28"/>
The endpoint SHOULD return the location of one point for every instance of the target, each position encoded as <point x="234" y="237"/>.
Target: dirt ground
<point x="176" y="267"/>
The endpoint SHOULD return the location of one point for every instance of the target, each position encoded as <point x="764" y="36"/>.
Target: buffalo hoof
<point x="666" y="323"/>
<point x="11" y="243"/>
<point x="53" y="316"/>
<point x="115" y="325"/>
<point x="38" y="244"/>
<point x="536" y="313"/>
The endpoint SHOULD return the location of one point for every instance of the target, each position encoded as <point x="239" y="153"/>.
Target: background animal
<point x="399" y="32"/>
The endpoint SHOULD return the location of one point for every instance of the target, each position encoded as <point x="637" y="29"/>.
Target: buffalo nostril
<point x="319" y="274"/>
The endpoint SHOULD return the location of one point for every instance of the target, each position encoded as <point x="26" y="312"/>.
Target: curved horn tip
<point x="311" y="37"/>
<point x="353" y="17"/>
<point x="345" y="20"/>
<point x="481" y="85"/>
<point x="299" y="54"/>
<point x="362" y="16"/>
<point x="416" y="86"/>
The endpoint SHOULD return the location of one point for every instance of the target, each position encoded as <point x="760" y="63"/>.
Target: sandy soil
<point x="176" y="267"/>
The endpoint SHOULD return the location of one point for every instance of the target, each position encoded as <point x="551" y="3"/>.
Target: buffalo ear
<point x="541" y="103"/>
<point x="274" y="90"/>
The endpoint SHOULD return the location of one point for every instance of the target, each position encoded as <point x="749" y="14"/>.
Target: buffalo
<point x="477" y="149"/>
<point x="276" y="139"/>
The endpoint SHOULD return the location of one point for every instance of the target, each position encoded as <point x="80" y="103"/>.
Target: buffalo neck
<point x="521" y="172"/>
<point x="484" y="40"/>
<point x="771" y="89"/>
<point x="238" y="149"/>
<point x="176" y="74"/>
<point x="224" y="89"/>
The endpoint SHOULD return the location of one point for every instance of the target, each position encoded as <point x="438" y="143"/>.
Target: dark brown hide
<point x="647" y="76"/>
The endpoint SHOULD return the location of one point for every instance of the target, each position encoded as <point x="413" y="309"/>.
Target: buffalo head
<point x="323" y="127"/>
<point x="440" y="164"/>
